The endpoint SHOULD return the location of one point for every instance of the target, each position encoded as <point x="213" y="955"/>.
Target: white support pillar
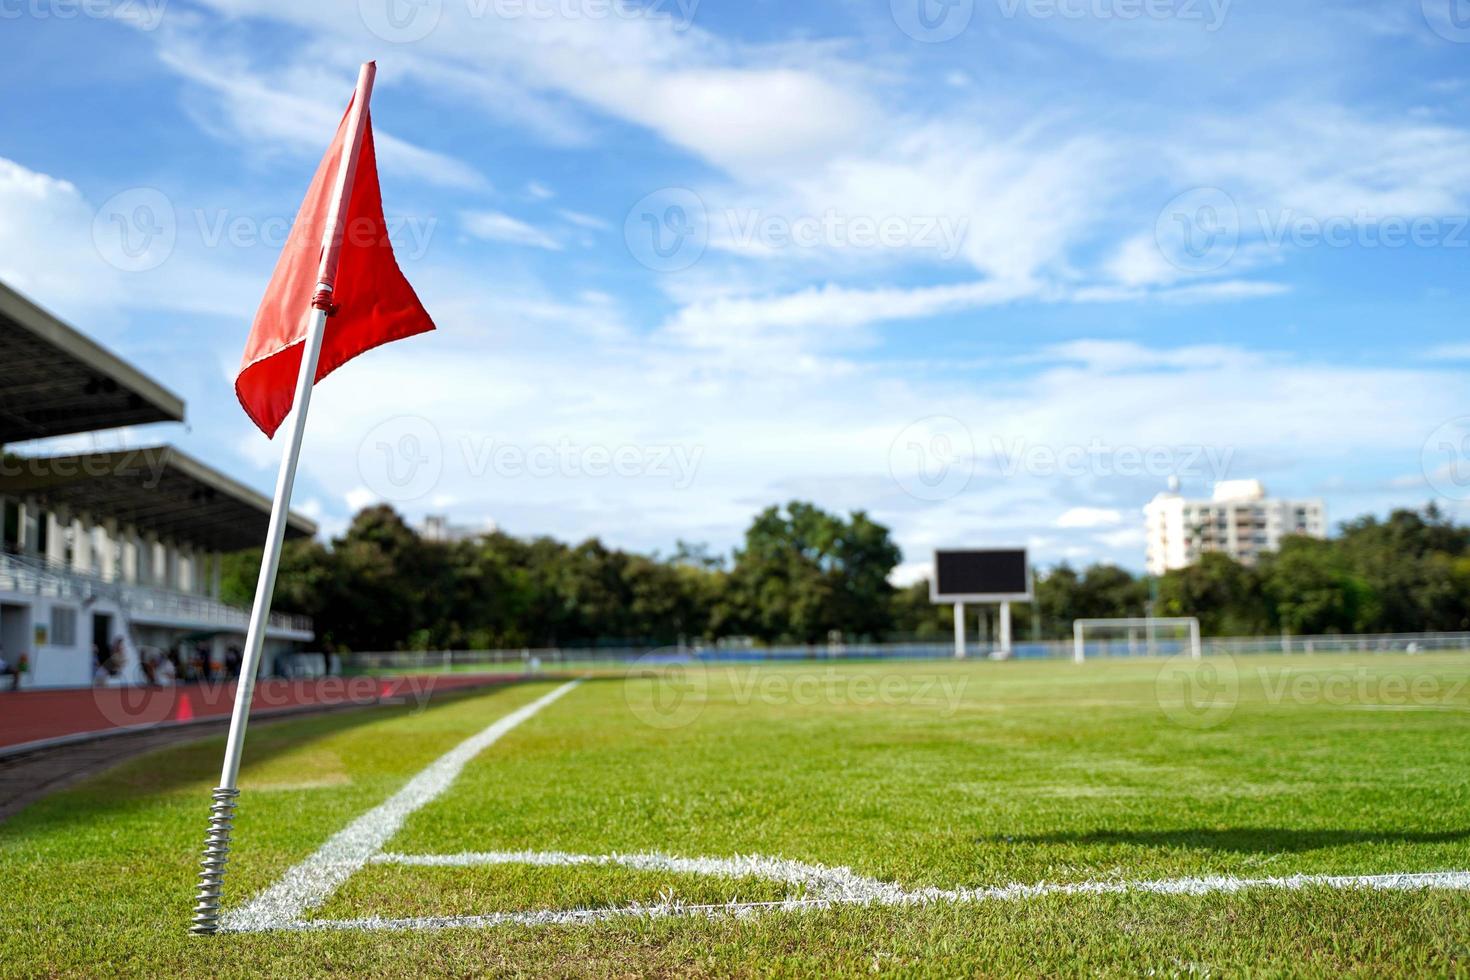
<point x="1005" y="628"/>
<point x="107" y="551"/>
<point x="188" y="570"/>
<point x="131" y="566"/>
<point x="25" y="516"/>
<point x="82" y="560"/>
<point x="959" y="630"/>
<point x="150" y="563"/>
<point x="55" y="539"/>
<point x="216" y="574"/>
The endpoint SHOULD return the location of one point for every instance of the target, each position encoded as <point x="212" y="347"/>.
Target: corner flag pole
<point x="225" y="796"/>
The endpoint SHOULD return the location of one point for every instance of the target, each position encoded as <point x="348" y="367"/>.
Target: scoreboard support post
<point x="1005" y="627"/>
<point x="959" y="630"/>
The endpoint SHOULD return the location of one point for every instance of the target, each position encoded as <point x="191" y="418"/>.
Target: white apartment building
<point x="437" y="527"/>
<point x="1238" y="519"/>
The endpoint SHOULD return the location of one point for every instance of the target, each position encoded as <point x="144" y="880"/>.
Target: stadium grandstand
<point x="108" y="554"/>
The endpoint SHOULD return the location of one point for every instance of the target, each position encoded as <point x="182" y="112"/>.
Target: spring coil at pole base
<point x="216" y="853"/>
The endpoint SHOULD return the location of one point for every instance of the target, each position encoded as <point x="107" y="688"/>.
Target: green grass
<point x="942" y="774"/>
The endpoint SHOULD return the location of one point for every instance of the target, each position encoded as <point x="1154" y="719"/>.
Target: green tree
<point x="804" y="572"/>
<point x="1313" y="589"/>
<point x="1223" y="594"/>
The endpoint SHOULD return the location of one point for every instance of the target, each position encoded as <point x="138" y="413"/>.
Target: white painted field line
<point x="850" y="889"/>
<point x="310" y="883"/>
<point x="822" y="882"/>
<point x="555" y="918"/>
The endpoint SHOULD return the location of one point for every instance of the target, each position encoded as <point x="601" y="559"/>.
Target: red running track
<point x="37" y="716"/>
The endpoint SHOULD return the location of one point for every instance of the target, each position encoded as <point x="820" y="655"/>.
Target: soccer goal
<point x="1146" y="636"/>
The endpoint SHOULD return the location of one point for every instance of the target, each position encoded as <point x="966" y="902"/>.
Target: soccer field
<point x="853" y="818"/>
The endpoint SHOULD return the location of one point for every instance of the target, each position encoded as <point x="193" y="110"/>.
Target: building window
<point x="63" y="626"/>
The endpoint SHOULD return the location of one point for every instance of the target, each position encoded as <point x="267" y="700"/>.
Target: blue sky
<point x="989" y="269"/>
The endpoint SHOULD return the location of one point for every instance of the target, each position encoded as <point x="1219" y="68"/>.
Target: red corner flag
<point x="372" y="302"/>
<point x="336" y="292"/>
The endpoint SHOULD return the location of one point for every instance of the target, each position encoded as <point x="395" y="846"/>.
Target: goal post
<point x="1141" y="635"/>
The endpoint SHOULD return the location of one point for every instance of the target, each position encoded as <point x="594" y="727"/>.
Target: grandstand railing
<point x="550" y="658"/>
<point x="36" y="576"/>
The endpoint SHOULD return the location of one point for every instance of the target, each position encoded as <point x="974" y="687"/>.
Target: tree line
<point x="802" y="575"/>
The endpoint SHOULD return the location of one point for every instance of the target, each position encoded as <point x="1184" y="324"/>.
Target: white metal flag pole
<point x="222" y="810"/>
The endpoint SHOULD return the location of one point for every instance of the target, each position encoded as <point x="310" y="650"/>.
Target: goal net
<point x="1151" y="636"/>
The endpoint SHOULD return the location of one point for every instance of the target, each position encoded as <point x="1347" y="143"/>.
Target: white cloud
<point x="494" y="226"/>
<point x="55" y="244"/>
<point x="1088" y="517"/>
<point x="1140" y="262"/>
<point x="787" y="331"/>
<point x="1129" y="538"/>
<point x="297" y="109"/>
<point x="909" y="572"/>
<point x="359" y="497"/>
<point x="44" y="225"/>
<point x="1224" y="290"/>
<point x="1314" y="162"/>
<point x="584" y="220"/>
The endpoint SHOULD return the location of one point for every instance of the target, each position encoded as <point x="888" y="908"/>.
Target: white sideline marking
<point x="310" y="883"/>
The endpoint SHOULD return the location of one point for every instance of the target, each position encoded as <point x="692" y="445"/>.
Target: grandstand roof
<point x="157" y="489"/>
<point x="54" y="381"/>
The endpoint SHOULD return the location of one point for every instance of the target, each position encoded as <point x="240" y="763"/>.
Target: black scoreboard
<point x="981" y="575"/>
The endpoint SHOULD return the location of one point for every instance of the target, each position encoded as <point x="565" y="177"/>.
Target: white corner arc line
<point x="310" y="883"/>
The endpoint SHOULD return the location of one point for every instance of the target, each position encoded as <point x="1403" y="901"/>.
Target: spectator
<point x="6" y="670"/>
